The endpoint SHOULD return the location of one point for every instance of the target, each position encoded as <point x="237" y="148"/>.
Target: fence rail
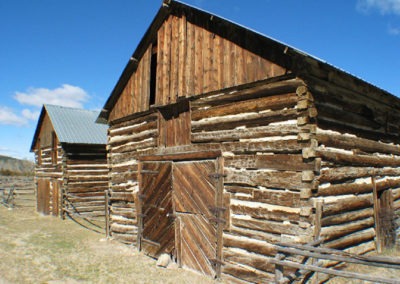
<point x="88" y="220"/>
<point x="7" y="197"/>
<point x="16" y="191"/>
<point x="310" y="263"/>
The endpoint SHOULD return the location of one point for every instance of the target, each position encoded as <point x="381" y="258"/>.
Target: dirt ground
<point x="43" y="249"/>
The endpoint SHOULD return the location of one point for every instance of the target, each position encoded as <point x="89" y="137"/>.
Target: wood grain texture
<point x="157" y="232"/>
<point x="191" y="60"/>
<point x="195" y="195"/>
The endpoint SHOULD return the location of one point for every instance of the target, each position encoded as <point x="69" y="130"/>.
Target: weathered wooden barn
<point x="223" y="142"/>
<point x="71" y="172"/>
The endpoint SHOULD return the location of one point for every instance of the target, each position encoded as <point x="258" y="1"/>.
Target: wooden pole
<point x="138" y="204"/>
<point x="279" y="269"/>
<point x="219" y="201"/>
<point x="318" y="217"/>
<point x="335" y="255"/>
<point x="329" y="271"/>
<point x="378" y="237"/>
<point x="317" y="233"/>
<point x="64" y="187"/>
<point x="107" y="215"/>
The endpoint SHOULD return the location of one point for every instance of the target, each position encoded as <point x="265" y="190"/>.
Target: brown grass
<point x="369" y="270"/>
<point x="43" y="249"/>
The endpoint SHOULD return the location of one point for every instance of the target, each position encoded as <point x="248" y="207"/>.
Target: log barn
<point x="223" y="142"/>
<point x="71" y="174"/>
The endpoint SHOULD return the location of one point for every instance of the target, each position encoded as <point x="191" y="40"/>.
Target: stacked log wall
<point x="126" y="140"/>
<point x="262" y="132"/>
<point x="265" y="133"/>
<point x="274" y="156"/>
<point x="46" y="168"/>
<point x="274" y="137"/>
<point x="358" y="138"/>
<point x="85" y="182"/>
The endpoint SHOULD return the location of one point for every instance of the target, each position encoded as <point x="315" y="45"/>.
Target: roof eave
<point x="132" y="64"/>
<point x="37" y="131"/>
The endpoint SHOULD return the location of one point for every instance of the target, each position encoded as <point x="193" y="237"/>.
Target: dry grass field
<point x="42" y="249"/>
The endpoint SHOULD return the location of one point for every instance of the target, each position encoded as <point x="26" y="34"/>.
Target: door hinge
<point x="149" y="172"/>
<point x="216" y="209"/>
<point x="217" y="220"/>
<point x="217" y="175"/>
<point x="216" y="261"/>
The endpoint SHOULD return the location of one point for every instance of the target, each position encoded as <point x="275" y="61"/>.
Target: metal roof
<point x="73" y="126"/>
<point x="76" y="126"/>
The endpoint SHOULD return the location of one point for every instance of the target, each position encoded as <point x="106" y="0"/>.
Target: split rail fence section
<point x="318" y="264"/>
<point x="17" y="191"/>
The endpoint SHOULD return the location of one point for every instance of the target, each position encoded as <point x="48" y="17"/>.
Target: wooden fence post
<point x="279" y="269"/>
<point x="317" y="232"/>
<point x="107" y="213"/>
<point x="318" y="216"/>
<point x="378" y="236"/>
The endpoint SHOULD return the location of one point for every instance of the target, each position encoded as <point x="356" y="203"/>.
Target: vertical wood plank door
<point x="194" y="199"/>
<point x="43" y="196"/>
<point x="156" y="223"/>
<point x="55" y="197"/>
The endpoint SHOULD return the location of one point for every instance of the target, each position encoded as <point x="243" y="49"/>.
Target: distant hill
<point x="13" y="166"/>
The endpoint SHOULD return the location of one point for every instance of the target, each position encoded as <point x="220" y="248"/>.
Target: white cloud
<point x="384" y="6"/>
<point x="66" y="95"/>
<point x="31" y="115"/>
<point x="8" y="117"/>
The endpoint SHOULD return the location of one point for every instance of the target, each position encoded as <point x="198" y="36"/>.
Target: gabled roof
<point x="73" y="126"/>
<point x="298" y="62"/>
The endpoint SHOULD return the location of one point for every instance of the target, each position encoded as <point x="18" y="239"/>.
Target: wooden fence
<point x="17" y="191"/>
<point x="7" y="197"/>
<point x="94" y="223"/>
<point x="314" y="259"/>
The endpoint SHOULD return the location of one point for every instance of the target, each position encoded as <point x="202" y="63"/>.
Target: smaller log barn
<point x="71" y="163"/>
<point x="223" y="142"/>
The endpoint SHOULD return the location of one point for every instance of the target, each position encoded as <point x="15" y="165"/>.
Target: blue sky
<point x="72" y="52"/>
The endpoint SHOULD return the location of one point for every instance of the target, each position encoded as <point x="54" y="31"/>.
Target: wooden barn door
<point x="55" y="197"/>
<point x="43" y="196"/>
<point x="195" y="197"/>
<point x="180" y="211"/>
<point x="156" y="224"/>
